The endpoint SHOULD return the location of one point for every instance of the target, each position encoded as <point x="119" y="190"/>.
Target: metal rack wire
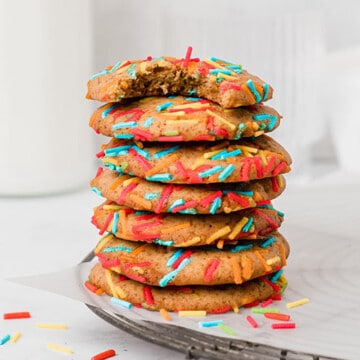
<point x="197" y="345"/>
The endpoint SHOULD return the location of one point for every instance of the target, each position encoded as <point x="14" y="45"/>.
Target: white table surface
<point x="45" y="234"/>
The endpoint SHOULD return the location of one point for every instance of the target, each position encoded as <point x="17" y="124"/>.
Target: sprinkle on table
<point x="278" y="326"/>
<point x="259" y="310"/>
<point x="204" y="324"/>
<point x="15" y="337"/>
<point x="226" y="329"/>
<point x="17" y="315"/>
<point x="5" y="339"/>
<point x="62" y="349"/>
<point x="122" y="303"/>
<point x="297" y="303"/>
<point x="277" y="316"/>
<point x="165" y="314"/>
<point x="52" y="326"/>
<point x="104" y="355"/>
<point x="252" y="321"/>
<point x="184" y="313"/>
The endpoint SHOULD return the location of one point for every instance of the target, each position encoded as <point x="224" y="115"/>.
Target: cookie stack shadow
<point x="187" y="179"/>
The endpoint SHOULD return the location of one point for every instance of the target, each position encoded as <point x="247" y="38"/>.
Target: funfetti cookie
<point x="197" y="162"/>
<point x="183" y="119"/>
<point x="139" y="194"/>
<point x="218" y="80"/>
<point x="159" y="265"/>
<point x="182" y="230"/>
<point x="212" y="299"/>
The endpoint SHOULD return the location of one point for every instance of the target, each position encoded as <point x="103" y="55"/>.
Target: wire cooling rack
<point x="197" y="345"/>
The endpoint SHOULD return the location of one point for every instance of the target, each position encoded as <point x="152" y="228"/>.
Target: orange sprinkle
<point x="122" y="218"/>
<point x="146" y="204"/>
<point x="282" y="254"/>
<point x="165" y="315"/>
<point x="220" y="244"/>
<point x="175" y="228"/>
<point x="139" y="249"/>
<point x="236" y="270"/>
<point x="263" y="261"/>
<point x="249" y="93"/>
<point x="169" y="160"/>
<point x="247" y="268"/>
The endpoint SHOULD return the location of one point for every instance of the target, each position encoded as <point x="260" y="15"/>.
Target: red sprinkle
<point x="142" y="135"/>
<point x="252" y="321"/>
<point x="185" y="255"/>
<point x="99" y="171"/>
<point x="279" y="169"/>
<point x="91" y="286"/>
<point x="266" y="303"/>
<point x="126" y="191"/>
<point x="207" y="200"/>
<point x="274" y="184"/>
<point x="243" y="202"/>
<point x="148" y="295"/>
<point x="171" y="138"/>
<point x="106" y="223"/>
<point x="188" y="205"/>
<point x="221" y="310"/>
<point x="209" y="272"/>
<point x="283" y="326"/>
<point x="104" y="355"/>
<point x="249" y="305"/>
<point x="163" y="198"/>
<point x="187" y="56"/>
<point x="17" y="315"/>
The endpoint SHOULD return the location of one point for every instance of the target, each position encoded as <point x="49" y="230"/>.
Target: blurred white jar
<point x="45" y="143"/>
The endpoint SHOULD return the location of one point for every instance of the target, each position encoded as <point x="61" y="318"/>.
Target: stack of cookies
<point x="188" y="177"/>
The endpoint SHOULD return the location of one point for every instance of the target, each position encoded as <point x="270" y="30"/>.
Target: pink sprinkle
<point x="188" y="205"/>
<point x="210" y="198"/>
<point x="181" y="170"/>
<point x="142" y="135"/>
<point x="138" y="264"/>
<point x="277" y="326"/>
<point x="145" y="237"/>
<point x="210" y="270"/>
<point x="274" y="184"/>
<point x="143" y="162"/>
<point x="266" y="303"/>
<point x="163" y="198"/>
<point x="123" y="194"/>
<point x="138" y="278"/>
<point x="269" y="165"/>
<point x="257" y="161"/>
<point x="141" y="227"/>
<point x="280" y="168"/>
<point x="171" y="138"/>
<point x="99" y="171"/>
<point x="204" y="138"/>
<point x="221" y="133"/>
<point x="252" y="321"/>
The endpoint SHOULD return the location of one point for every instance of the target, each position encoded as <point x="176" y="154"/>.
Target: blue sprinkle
<point x="272" y="122"/>
<point x="235" y="68"/>
<point x="245" y="193"/>
<point x="215" y="205"/>
<point x="192" y="92"/>
<point x="195" y="99"/>
<point x="151" y="196"/>
<point x="119" y="150"/>
<point x="220" y="71"/>
<point x="267" y="242"/>
<point x="115" y="223"/>
<point x="277" y="275"/>
<point x="176" y="203"/>
<point x="96" y="190"/>
<point x="142" y="212"/>
<point x="160" y="177"/>
<point x="211" y="171"/>
<point x="215" y="59"/>
<point x="109" y="165"/>
<point x="104" y="72"/>
<point x="148" y="122"/>
<point x="203" y="324"/>
<point x="252" y="88"/>
<point x="117" y="248"/>
<point x="238" y="248"/>
<point x="142" y="152"/>
<point x="267" y="206"/>
<point x="115" y="66"/>
<point x="5" y="339"/>
<point x="124" y="136"/>
<point x="266" y="91"/>
<point x="124" y="125"/>
<point x="247" y="225"/>
<point x="163" y="242"/>
<point x="171" y="275"/>
<point x="224" y="154"/>
<point x="122" y="303"/>
<point x="260" y="117"/>
<point x="190" y="211"/>
<point x="226" y="172"/>
<point x="109" y="109"/>
<point x="174" y="257"/>
<point x="131" y="71"/>
<point x="162" y="153"/>
<point x="164" y="106"/>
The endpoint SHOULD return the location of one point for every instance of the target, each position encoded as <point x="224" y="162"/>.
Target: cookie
<point x="158" y="265"/>
<point x="214" y="79"/>
<point x="212" y="299"/>
<point x="157" y="197"/>
<point x="197" y="162"/>
<point x="183" y="119"/>
<point x="182" y="230"/>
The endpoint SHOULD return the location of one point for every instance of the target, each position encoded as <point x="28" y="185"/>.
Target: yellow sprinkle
<point x="167" y="161"/>
<point x="110" y="160"/>
<point x="218" y="234"/>
<point x="210" y="154"/>
<point x="221" y="146"/>
<point x="115" y="292"/>
<point x="59" y="348"/>
<point x="200" y="161"/>
<point x="183" y="313"/>
<point x="280" y="181"/>
<point x="221" y="119"/>
<point x="146" y="204"/>
<point x="113" y="207"/>
<point x="15" y="337"/>
<point x="235" y="309"/>
<point x="238" y="228"/>
<point x="249" y="149"/>
<point x="193" y="241"/>
<point x="131" y="180"/>
<point x="258" y="133"/>
<point x="274" y="260"/>
<point x="52" y="326"/>
<point x="177" y="114"/>
<point x="165" y="315"/>
<point x="226" y="76"/>
<point x="297" y="303"/>
<point x="213" y="63"/>
<point x="195" y="105"/>
<point x="103" y="242"/>
<point x="255" y="126"/>
<point x="175" y="228"/>
<point x="183" y="121"/>
<point x="143" y="66"/>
